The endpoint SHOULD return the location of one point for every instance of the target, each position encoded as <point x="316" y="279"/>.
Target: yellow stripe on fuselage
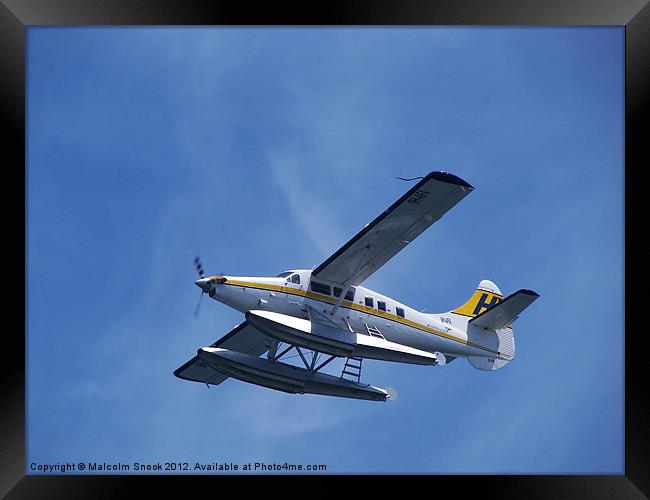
<point x="357" y="307"/>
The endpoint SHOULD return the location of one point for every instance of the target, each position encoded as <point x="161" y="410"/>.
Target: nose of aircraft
<point x="203" y="284"/>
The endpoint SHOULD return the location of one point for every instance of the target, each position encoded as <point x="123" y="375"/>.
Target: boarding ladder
<point x="352" y="369"/>
<point x="373" y="331"/>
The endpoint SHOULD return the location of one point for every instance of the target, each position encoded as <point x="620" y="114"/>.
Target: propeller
<point x="198" y="306"/>
<point x="199" y="269"/>
<point x="198" y="266"/>
<point x="206" y="284"/>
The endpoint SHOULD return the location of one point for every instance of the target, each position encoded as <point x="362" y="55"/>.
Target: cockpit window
<point x="295" y="278"/>
<point x="283" y="275"/>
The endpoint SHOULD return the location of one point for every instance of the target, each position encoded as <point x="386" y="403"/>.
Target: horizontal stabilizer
<point x="506" y="311"/>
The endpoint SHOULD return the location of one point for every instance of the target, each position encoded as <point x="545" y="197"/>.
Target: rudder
<point x="486" y="296"/>
<point x="504" y="343"/>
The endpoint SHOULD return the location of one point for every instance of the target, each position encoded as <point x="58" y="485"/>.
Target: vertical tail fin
<point x="487" y="295"/>
<point x="490" y="323"/>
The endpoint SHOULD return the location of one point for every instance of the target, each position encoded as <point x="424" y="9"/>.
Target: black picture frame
<point x="634" y="15"/>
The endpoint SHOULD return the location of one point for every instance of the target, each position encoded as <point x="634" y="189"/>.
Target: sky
<point x="265" y="149"/>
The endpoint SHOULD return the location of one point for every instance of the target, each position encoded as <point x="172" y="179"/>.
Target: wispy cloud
<point x="312" y="212"/>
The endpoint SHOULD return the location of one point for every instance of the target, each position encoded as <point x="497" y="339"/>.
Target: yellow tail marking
<point x="479" y="302"/>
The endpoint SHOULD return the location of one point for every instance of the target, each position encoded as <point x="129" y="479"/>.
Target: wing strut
<point x="311" y="310"/>
<point x="315" y="355"/>
<point x="348" y="283"/>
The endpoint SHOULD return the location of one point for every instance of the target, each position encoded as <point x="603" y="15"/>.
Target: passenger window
<point x="348" y="296"/>
<point x="400" y="312"/>
<point x="370" y="302"/>
<point x="381" y="305"/>
<point x="295" y="278"/>
<point x="319" y="288"/>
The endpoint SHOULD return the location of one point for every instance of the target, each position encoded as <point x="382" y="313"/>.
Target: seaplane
<point x="325" y="313"/>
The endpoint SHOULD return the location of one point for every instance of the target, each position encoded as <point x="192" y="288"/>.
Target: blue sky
<point x="267" y="149"/>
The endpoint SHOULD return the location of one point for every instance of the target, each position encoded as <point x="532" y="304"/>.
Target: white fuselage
<point x="369" y="312"/>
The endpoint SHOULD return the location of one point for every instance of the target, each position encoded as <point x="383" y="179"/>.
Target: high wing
<point x="243" y="338"/>
<point x="395" y="228"/>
